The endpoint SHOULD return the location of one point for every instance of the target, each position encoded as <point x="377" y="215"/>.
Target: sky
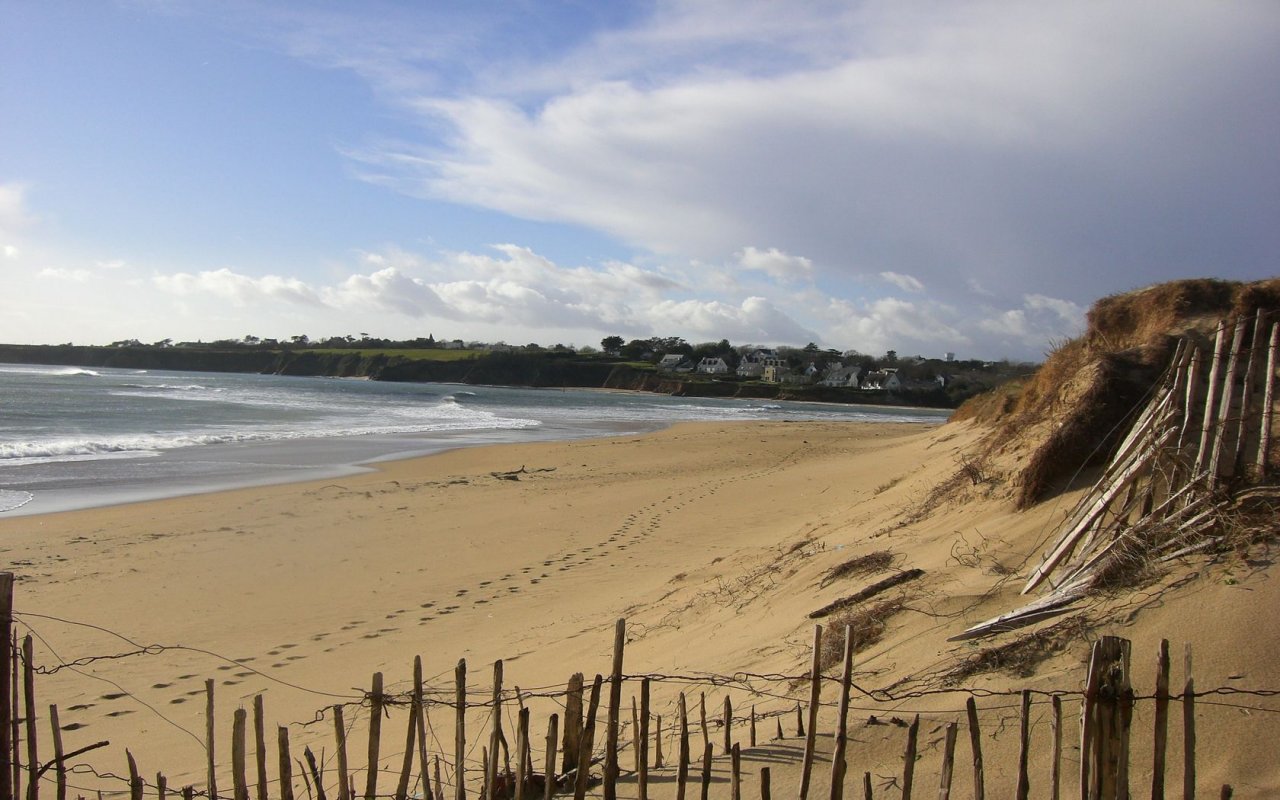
<point x="921" y="176"/>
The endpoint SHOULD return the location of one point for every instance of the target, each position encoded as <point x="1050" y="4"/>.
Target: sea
<point x="73" y="438"/>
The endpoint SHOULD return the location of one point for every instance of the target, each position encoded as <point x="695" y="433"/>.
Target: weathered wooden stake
<point x="815" y="692"/>
<point x="15" y="718"/>
<point x="642" y="778"/>
<point x="61" y="768"/>
<point x="799" y="720"/>
<point x="260" y="745"/>
<point x="751" y="739"/>
<point x="549" y="786"/>
<point x="572" y="722"/>
<point x="909" y="758"/>
<point x="212" y="775"/>
<point x="866" y="786"/>
<point x="135" y="780"/>
<point x="682" y="769"/>
<point x="587" y="743"/>
<point x="778" y="734"/>
<point x="975" y="745"/>
<point x="285" y="763"/>
<point x="460" y="730"/>
<point x="406" y="763"/>
<point x="340" y="732"/>
<point x="728" y="724"/>
<point x="1188" y="729"/>
<point x="522" y="740"/>
<point x="238" y="759"/>
<point x="1055" y="769"/>
<point x="706" y="771"/>
<point x="7" y="786"/>
<point x="702" y="719"/>
<point x="495" y="730"/>
<point x="424" y="769"/>
<point x="375" y="736"/>
<point x="1268" y="400"/>
<point x="1024" y="747"/>
<point x="162" y="786"/>
<point x="317" y="774"/>
<point x="636" y="739"/>
<point x="657" y="742"/>
<point x="838" y="765"/>
<point x="1160" y="739"/>
<point x="615" y="708"/>
<point x="948" y="762"/>
<point x="735" y="763"/>
<point x="29" y="692"/>
<point x="437" y="783"/>
<point x="766" y="791"/>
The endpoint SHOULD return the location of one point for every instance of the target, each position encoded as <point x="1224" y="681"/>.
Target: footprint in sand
<point x="245" y="660"/>
<point x="73" y="726"/>
<point x="185" y="677"/>
<point x="161" y="685"/>
<point x="427" y="605"/>
<point x="114" y="696"/>
<point x="175" y="701"/>
<point x="120" y="713"/>
<point x="226" y="667"/>
<point x="80" y="707"/>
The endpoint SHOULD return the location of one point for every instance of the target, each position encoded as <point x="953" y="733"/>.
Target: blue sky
<point x="922" y="176"/>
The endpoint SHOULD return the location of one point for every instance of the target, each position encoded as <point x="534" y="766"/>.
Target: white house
<point x="883" y="380"/>
<point x="713" y="366"/>
<point x="841" y="376"/>
<point x="752" y="366"/>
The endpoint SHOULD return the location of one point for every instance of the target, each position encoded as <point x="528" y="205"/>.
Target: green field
<point x="424" y="354"/>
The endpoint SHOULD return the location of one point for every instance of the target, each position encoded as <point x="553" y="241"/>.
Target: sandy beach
<point x="714" y="541"/>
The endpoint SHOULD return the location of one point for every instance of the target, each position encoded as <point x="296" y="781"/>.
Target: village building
<point x="713" y="366"/>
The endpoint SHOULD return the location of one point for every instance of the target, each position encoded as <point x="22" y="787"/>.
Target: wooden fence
<point x="574" y="761"/>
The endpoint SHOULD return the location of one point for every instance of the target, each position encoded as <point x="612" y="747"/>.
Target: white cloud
<point x="113" y="263"/>
<point x="14" y="214"/>
<point x="775" y="263"/>
<point x="238" y="288"/>
<point x="754" y="320"/>
<point x="11" y="251"/>
<point x="990" y="144"/>
<point x="64" y="274"/>
<point x="904" y="282"/>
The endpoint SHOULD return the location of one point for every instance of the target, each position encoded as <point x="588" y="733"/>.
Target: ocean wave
<point x="75" y="371"/>
<point x="11" y="499"/>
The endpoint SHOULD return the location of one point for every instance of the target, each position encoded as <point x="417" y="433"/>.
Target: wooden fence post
<point x="766" y="791"/>
<point x="975" y="744"/>
<point x="642" y="779"/>
<point x="424" y="768"/>
<point x="340" y="733"/>
<point x="1109" y="712"/>
<point x="1055" y="771"/>
<point x="587" y="743"/>
<point x="682" y="769"/>
<point x="728" y="723"/>
<point x="615" y="708"/>
<point x="135" y="780"/>
<point x="842" y="720"/>
<point x="1024" y="747"/>
<point x="460" y="730"/>
<point x="572" y="722"/>
<point x="61" y="768"/>
<point x="1188" y="729"/>
<point x="706" y="771"/>
<point x="495" y="731"/>
<point x="549" y="785"/>
<point x="7" y="787"/>
<point x="735" y="762"/>
<point x="406" y="762"/>
<point x="238" y="759"/>
<point x="286" y="763"/>
<point x="702" y="719"/>
<point x="375" y="736"/>
<point x="29" y="692"/>
<point x="260" y="745"/>
<point x="317" y="777"/>
<point x="212" y="775"/>
<point x="909" y="758"/>
<point x="948" y="762"/>
<point x="1160" y="738"/>
<point x="815" y="693"/>
<point x="522" y="741"/>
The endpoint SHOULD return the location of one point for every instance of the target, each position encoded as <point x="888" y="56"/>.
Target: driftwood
<point x="866" y="593"/>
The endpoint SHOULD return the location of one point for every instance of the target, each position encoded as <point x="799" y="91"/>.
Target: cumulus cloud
<point x="11" y="251"/>
<point x="236" y="287"/>
<point x="755" y="319"/>
<point x="775" y="263"/>
<point x="65" y="274"/>
<point x="904" y="282"/>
